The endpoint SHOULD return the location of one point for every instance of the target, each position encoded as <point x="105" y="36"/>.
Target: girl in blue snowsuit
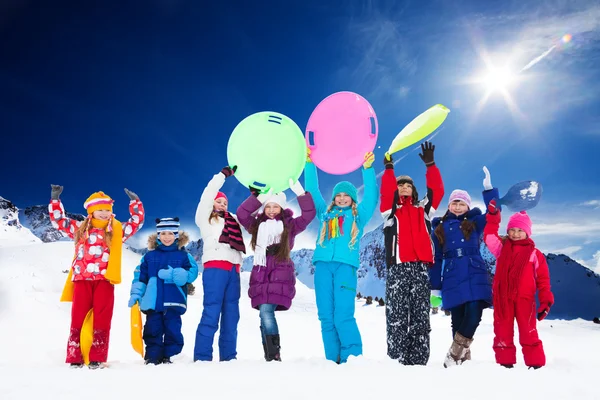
<point x="336" y="258"/>
<point x="459" y="270"/>
<point x="160" y="286"/>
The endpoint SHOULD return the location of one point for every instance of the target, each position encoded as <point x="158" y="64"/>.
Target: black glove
<point x="255" y="192"/>
<point x="427" y="153"/>
<point x="388" y="162"/>
<point x="56" y="191"/>
<point x="228" y="171"/>
<point x="132" y="196"/>
<point x="543" y="311"/>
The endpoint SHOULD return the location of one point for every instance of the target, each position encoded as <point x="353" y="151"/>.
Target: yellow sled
<point x="136" y="330"/>
<point x="87" y="336"/>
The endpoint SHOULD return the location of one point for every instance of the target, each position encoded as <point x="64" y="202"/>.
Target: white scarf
<point x="269" y="232"/>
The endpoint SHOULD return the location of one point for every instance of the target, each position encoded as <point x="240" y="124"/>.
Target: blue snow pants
<point x="162" y="335"/>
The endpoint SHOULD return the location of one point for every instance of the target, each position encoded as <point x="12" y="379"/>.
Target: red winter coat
<point x="534" y="277"/>
<point x="407" y="232"/>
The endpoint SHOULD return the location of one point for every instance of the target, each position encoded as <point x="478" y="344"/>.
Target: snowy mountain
<point x="11" y="230"/>
<point x="37" y="220"/>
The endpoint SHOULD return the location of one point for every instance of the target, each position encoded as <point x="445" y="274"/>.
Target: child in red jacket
<point x="521" y="271"/>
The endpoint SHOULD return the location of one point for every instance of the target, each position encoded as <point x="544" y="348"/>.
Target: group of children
<point x="422" y="254"/>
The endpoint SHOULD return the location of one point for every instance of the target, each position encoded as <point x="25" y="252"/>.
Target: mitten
<point x="180" y="276"/>
<point x="296" y="187"/>
<point x="487" y="181"/>
<point x="134" y="298"/>
<point x="228" y="171"/>
<point x="387" y="161"/>
<point x="492" y="207"/>
<point x="132" y="196"/>
<point x="56" y="191"/>
<point x="427" y="153"/>
<point x="265" y="196"/>
<point x="308" y="159"/>
<point x="369" y="158"/>
<point x="166" y="274"/>
<point x="543" y="311"/>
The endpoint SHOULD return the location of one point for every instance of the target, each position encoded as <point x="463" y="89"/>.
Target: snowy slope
<point x="35" y="326"/>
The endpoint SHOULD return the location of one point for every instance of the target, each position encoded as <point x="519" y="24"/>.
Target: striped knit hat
<point x="168" y="225"/>
<point x="98" y="201"/>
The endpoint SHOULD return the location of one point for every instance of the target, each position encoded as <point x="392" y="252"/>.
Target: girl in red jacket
<point x="521" y="271"/>
<point x="409" y="255"/>
<point x="96" y="267"/>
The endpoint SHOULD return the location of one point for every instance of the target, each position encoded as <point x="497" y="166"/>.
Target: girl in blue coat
<point x="465" y="284"/>
<point x="160" y="286"/>
<point x="336" y="257"/>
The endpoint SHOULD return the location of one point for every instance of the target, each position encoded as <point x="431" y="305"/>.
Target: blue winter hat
<point x="168" y="225"/>
<point x="345" y="187"/>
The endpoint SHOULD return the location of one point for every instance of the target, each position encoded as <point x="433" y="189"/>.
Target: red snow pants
<point x="99" y="296"/>
<point x="524" y="311"/>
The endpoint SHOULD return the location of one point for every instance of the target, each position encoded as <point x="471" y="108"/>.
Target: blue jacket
<point x="336" y="248"/>
<point x="459" y="270"/>
<point x="158" y="294"/>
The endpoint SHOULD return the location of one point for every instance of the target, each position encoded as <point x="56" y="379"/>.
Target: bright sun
<point x="497" y="79"/>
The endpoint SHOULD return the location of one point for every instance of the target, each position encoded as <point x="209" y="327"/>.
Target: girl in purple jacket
<point x="273" y="278"/>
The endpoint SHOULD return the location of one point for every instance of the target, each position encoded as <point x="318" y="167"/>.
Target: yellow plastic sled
<point x="136" y="330"/>
<point x="87" y="336"/>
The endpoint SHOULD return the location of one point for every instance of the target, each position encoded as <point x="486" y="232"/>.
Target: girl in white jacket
<point x="222" y="250"/>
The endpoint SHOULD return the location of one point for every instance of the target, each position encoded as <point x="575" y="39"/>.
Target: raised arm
<point x="388" y="187"/>
<point x="246" y="210"/>
<point x="206" y="204"/>
<point x="58" y="216"/>
<point x="311" y="183"/>
<point x="490" y="233"/>
<point x="136" y="221"/>
<point x="367" y="206"/>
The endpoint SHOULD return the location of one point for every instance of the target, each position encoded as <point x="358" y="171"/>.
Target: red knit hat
<point x="221" y="195"/>
<point x="520" y="220"/>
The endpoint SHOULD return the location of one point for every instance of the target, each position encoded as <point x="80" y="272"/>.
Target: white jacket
<point x="212" y="250"/>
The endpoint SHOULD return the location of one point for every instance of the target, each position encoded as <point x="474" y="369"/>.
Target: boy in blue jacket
<point x="160" y="286"/>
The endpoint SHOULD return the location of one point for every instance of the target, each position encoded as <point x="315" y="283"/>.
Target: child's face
<point x="220" y="204"/>
<point x="103" y="215"/>
<point x="342" y="200"/>
<point x="272" y="210"/>
<point x="516" y="234"/>
<point x="166" y="238"/>
<point x="405" y="189"/>
<point x="458" y="207"/>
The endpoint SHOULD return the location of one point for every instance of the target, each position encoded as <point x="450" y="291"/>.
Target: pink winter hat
<point x="461" y="195"/>
<point x="520" y="220"/>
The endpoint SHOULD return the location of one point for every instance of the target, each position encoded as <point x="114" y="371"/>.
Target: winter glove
<point x="387" y="161"/>
<point x="308" y="159"/>
<point x="229" y="171"/>
<point x="492" y="207"/>
<point x="254" y="191"/>
<point x="132" y="196"/>
<point x="135" y="298"/>
<point x="56" y="191"/>
<point x="369" y="158"/>
<point x="166" y="274"/>
<point x="427" y="150"/>
<point x="296" y="187"/>
<point x="543" y="311"/>
<point x="436" y="298"/>
<point x="487" y="181"/>
<point x="180" y="276"/>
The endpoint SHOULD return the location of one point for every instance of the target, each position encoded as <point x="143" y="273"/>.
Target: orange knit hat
<point x="98" y="201"/>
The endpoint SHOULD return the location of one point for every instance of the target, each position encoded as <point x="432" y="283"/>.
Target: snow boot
<point x="534" y="367"/>
<point x="273" y="348"/>
<point x="166" y="360"/>
<point x="76" y="365"/>
<point x="265" y="350"/>
<point x="95" y="365"/>
<point x="458" y="350"/>
<point x="509" y="366"/>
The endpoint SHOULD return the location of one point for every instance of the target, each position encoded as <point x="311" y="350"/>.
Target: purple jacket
<point x="275" y="283"/>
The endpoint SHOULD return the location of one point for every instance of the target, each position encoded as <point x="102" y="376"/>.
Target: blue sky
<point x="144" y="95"/>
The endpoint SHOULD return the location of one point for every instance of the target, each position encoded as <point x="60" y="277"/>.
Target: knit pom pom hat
<point x="168" y="225"/>
<point x="520" y="220"/>
<point x="345" y="187"/>
<point x="98" y="201"/>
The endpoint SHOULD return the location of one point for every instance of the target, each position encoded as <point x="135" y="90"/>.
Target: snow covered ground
<point x="34" y="327"/>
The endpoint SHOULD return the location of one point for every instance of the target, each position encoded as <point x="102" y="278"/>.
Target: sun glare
<point x="497" y="79"/>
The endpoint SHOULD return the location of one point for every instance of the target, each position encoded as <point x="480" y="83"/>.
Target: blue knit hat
<point x="168" y="225"/>
<point x="345" y="187"/>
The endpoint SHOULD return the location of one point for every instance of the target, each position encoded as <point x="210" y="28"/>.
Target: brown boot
<point x="458" y="350"/>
